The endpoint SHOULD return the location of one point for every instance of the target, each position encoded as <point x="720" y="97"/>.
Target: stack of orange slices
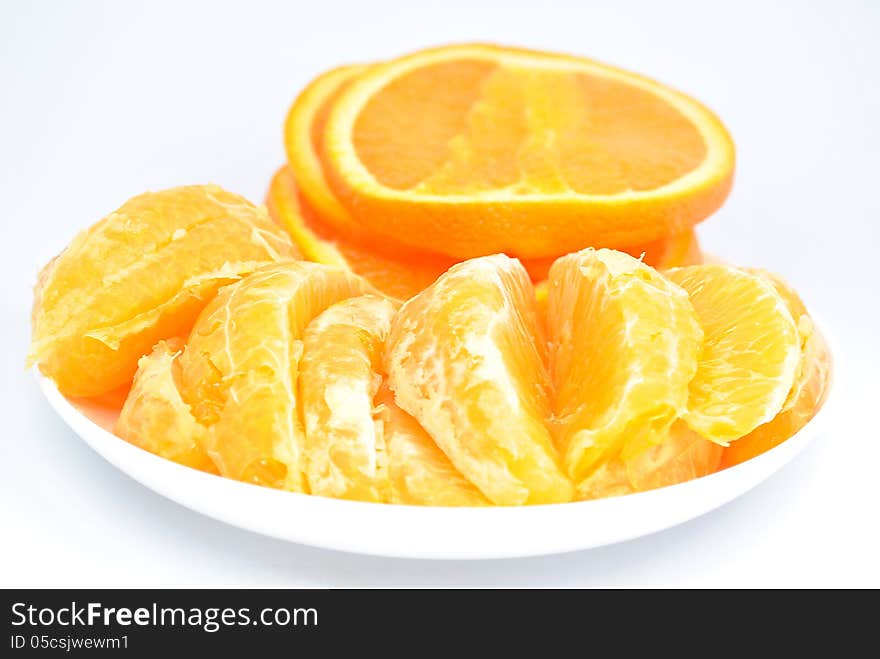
<point x="400" y="169"/>
<point x="482" y="286"/>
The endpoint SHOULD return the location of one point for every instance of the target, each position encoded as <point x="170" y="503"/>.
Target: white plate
<point x="423" y="532"/>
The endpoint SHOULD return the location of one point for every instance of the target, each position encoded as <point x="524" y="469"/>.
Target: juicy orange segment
<point x="154" y="416"/>
<point x="400" y="276"/>
<point x="419" y="472"/>
<point x="529" y="153"/>
<point x="750" y="353"/>
<point x="671" y="252"/>
<point x="142" y="274"/>
<point x="812" y="380"/>
<point x="681" y="456"/>
<point x="240" y="367"/>
<point x="463" y="359"/>
<point x="624" y="344"/>
<point x="340" y="374"/>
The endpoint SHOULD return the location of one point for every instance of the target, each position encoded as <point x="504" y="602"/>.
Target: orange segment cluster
<point x="299" y="377"/>
<point x="142" y="274"/>
<point x="476" y="282"/>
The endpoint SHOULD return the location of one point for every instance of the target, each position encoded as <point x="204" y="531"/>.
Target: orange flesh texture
<point x="683" y="455"/>
<point x="808" y="393"/>
<point x="463" y="359"/>
<point x="340" y="375"/>
<point x="534" y="132"/>
<point x="528" y="154"/>
<point x="154" y="416"/>
<point x="624" y="343"/>
<point x="240" y="367"/>
<point x="419" y="472"/>
<point x="750" y="353"/>
<point x="140" y="275"/>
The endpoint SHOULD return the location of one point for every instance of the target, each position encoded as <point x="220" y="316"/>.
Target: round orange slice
<point x="401" y="276"/>
<point x="410" y="271"/>
<point x="750" y="352"/>
<point x="476" y="149"/>
<point x="302" y="131"/>
<point x="624" y="344"/>
<point x="465" y="358"/>
<point x="241" y="365"/>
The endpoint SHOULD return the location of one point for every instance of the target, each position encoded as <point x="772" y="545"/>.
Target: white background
<point x="102" y="100"/>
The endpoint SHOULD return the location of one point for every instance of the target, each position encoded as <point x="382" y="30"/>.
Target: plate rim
<point x="122" y="455"/>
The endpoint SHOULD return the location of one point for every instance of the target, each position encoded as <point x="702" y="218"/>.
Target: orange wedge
<point x="142" y="274"/>
<point x="681" y="456"/>
<point x="533" y="154"/>
<point x="154" y="416"/>
<point x="465" y="358"/>
<point x="241" y="364"/>
<point x="419" y="473"/>
<point x="750" y="353"/>
<point x="806" y="396"/>
<point x="624" y="344"/>
<point x="340" y="375"/>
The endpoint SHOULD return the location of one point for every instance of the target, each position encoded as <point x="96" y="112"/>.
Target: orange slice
<point x="154" y="416"/>
<point x="411" y="271"/>
<point x="624" y="343"/>
<point x="533" y="154"/>
<point x="681" y="456"/>
<point x="750" y="353"/>
<point x="400" y="276"/>
<point x="140" y="275"/>
<point x="340" y="375"/>
<point x="806" y="396"/>
<point x="463" y="359"/>
<point x="419" y="472"/>
<point x="302" y="132"/>
<point x="240" y="367"/>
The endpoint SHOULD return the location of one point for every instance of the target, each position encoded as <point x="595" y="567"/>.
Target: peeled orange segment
<point x="240" y="367"/>
<point x="154" y="416"/>
<point x="302" y="133"/>
<point x="419" y="472"/>
<point x="340" y="375"/>
<point x="400" y="276"/>
<point x="140" y="275"/>
<point x="624" y="343"/>
<point x="810" y="346"/>
<point x="671" y="252"/>
<point x="533" y="154"/>
<point x="806" y="396"/>
<point x="668" y="252"/>
<point x="750" y="352"/>
<point x="464" y="360"/>
<point x="681" y="456"/>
